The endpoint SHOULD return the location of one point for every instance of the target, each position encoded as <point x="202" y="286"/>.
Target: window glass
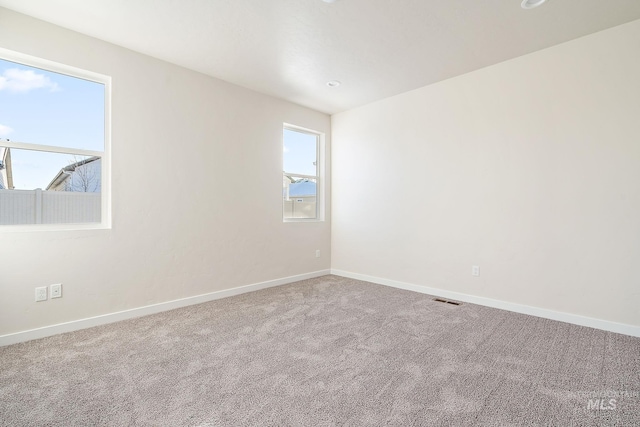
<point x="299" y="152"/>
<point x="47" y="108"/>
<point x="300" y="179"/>
<point x="54" y="160"/>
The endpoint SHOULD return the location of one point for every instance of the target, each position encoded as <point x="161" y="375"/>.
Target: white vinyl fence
<point x="299" y="208"/>
<point x="48" y="207"/>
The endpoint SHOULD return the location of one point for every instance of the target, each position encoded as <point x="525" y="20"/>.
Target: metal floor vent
<point x="447" y="301"/>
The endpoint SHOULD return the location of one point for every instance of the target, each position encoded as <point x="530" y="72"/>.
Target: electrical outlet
<point x="475" y="270"/>
<point x="55" y="291"/>
<point x="317" y="253"/>
<point x="41" y="293"/>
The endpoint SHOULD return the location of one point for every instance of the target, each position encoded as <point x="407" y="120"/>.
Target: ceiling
<point x="291" y="48"/>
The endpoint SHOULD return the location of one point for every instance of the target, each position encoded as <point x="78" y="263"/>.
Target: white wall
<point x="529" y="169"/>
<point x="181" y="226"/>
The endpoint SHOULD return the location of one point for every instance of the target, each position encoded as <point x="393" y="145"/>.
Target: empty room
<point x="319" y="213"/>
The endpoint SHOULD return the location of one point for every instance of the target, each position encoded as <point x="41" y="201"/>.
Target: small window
<point x="301" y="174"/>
<point x="54" y="145"/>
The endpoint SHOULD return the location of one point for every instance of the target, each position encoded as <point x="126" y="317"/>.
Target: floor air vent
<point x="447" y="301"/>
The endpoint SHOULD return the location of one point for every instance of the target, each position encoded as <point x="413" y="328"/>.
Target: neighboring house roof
<point x="66" y="171"/>
<point x="302" y="188"/>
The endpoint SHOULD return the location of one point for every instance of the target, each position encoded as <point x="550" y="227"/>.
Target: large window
<point x="301" y="180"/>
<point x="54" y="145"/>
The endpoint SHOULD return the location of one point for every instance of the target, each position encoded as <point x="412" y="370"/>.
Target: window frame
<point x="105" y="155"/>
<point x="319" y="177"/>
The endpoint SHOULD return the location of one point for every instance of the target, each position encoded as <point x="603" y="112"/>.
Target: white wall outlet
<point x="317" y="253"/>
<point x="41" y="293"/>
<point x="55" y="291"/>
<point x="475" y="270"/>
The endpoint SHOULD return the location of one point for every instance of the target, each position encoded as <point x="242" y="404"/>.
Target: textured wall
<point x="201" y="213"/>
<point x="529" y="169"/>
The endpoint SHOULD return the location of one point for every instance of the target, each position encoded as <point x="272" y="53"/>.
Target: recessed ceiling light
<point x="333" y="83"/>
<point x="530" y="4"/>
<point x="329" y="1"/>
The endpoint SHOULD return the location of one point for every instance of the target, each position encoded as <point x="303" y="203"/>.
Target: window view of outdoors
<point x="62" y="181"/>
<point x="300" y="175"/>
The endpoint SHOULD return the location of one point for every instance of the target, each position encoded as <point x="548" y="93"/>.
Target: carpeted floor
<point x="323" y="352"/>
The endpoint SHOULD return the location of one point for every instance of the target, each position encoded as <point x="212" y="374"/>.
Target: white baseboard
<point x="575" y="319"/>
<point x="149" y="309"/>
<point x="75" y="325"/>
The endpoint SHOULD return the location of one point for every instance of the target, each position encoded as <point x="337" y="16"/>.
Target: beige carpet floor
<point x="325" y="352"/>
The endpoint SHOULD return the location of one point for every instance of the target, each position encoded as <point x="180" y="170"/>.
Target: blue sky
<point x="41" y="107"/>
<point x="299" y="152"/>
